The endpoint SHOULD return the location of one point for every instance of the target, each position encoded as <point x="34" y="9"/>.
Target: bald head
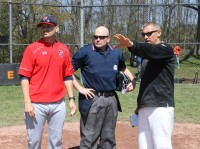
<point x="101" y="31"/>
<point x="101" y="38"/>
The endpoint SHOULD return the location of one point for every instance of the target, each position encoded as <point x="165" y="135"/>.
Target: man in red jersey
<point x="46" y="73"/>
<point x="177" y="51"/>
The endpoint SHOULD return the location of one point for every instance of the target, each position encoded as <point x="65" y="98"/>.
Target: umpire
<point x="98" y="102"/>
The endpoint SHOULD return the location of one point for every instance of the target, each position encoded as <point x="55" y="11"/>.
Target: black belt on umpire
<point x="105" y="94"/>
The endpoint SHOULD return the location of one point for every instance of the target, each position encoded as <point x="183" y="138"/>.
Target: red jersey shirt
<point x="177" y="50"/>
<point x="46" y="66"/>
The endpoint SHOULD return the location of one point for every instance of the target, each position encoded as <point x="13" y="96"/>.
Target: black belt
<point x="105" y="94"/>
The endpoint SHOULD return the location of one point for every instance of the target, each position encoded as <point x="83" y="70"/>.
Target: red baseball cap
<point x="50" y="20"/>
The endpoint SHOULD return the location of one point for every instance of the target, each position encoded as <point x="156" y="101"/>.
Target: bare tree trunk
<point x="154" y="10"/>
<point x="198" y="28"/>
<point x="75" y="17"/>
<point x="111" y="11"/>
<point x="131" y="18"/>
<point x="198" y="32"/>
<point x="102" y="13"/>
<point x="88" y="16"/>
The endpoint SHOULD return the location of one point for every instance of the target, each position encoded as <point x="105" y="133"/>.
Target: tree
<point x="197" y="9"/>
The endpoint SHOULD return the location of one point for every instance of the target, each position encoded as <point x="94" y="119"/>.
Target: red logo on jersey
<point x="61" y="54"/>
<point x="45" y="19"/>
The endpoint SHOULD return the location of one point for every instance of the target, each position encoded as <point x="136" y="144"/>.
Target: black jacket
<point x="157" y="80"/>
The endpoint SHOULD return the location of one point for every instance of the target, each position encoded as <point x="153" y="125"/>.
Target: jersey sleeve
<point x="155" y="52"/>
<point x="69" y="71"/>
<point x="27" y="63"/>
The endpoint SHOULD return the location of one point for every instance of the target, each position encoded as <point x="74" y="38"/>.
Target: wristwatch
<point x="71" y="98"/>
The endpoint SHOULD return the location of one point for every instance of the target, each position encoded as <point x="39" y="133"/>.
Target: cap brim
<point x="39" y="24"/>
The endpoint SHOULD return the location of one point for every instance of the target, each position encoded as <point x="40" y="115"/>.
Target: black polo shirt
<point x="98" y="70"/>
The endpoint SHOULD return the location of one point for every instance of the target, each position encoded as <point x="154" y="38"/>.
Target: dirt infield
<point x="185" y="136"/>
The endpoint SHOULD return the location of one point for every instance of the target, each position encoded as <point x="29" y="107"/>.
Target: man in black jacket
<point x="156" y="95"/>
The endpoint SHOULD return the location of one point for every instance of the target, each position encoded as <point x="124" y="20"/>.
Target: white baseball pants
<point x="155" y="125"/>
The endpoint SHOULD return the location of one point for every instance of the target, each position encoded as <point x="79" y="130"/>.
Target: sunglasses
<point x="148" y="34"/>
<point x="100" y="37"/>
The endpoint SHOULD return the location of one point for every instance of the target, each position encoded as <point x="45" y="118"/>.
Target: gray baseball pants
<point x="54" y="114"/>
<point x="99" y="126"/>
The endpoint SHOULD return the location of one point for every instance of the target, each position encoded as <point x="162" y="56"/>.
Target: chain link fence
<point x="79" y="18"/>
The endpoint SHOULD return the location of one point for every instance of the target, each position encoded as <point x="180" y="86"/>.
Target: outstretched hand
<point x="123" y="41"/>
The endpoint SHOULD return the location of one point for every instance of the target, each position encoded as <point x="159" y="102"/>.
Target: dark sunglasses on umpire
<point x="100" y="37"/>
<point x="148" y="34"/>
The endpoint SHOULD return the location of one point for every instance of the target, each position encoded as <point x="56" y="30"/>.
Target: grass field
<point x="187" y="99"/>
